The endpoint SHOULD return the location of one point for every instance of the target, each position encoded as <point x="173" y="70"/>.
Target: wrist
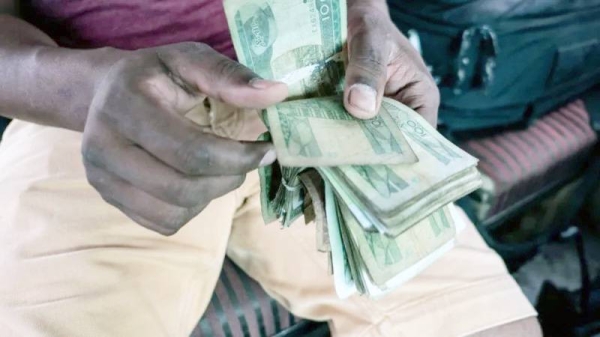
<point x="75" y="76"/>
<point x="362" y="5"/>
<point x="43" y="83"/>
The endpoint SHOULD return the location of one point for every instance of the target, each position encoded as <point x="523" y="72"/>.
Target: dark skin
<point x="130" y="105"/>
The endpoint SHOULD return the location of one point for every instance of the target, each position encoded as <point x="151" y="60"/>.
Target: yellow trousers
<point x="72" y="265"/>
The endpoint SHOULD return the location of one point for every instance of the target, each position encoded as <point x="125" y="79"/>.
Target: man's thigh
<point x="467" y="291"/>
<point x="72" y="265"/>
<point x="528" y="327"/>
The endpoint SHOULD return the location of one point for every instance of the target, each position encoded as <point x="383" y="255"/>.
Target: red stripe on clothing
<point x="238" y="286"/>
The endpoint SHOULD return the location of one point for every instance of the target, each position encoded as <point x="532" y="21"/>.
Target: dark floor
<point x="3" y="125"/>
<point x="558" y="262"/>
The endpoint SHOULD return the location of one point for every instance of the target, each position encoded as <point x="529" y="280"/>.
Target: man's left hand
<point x="383" y="62"/>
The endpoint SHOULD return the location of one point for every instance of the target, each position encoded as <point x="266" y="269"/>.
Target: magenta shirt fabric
<point x="131" y="24"/>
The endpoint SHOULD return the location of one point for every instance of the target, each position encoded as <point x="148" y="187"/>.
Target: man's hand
<point x="383" y="62"/>
<point x="145" y="158"/>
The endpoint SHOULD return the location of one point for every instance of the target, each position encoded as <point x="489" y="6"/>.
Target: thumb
<point x="366" y="74"/>
<point x="222" y="78"/>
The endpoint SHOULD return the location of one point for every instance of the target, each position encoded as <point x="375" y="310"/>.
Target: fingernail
<point x="268" y="159"/>
<point x="260" y="83"/>
<point x="364" y="98"/>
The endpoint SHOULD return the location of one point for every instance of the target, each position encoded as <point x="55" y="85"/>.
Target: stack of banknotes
<point x="379" y="191"/>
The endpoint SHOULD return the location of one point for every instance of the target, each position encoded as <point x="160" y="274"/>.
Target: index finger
<point x="181" y="144"/>
<point x="220" y="77"/>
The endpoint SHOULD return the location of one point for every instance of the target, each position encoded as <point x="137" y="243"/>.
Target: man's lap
<point x="466" y="291"/>
<point x="77" y="266"/>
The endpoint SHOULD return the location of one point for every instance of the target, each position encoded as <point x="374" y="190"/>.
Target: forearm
<point x="43" y="83"/>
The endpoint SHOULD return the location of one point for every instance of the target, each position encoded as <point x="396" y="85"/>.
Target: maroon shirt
<point x="130" y="24"/>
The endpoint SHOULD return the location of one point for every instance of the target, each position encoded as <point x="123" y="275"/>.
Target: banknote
<point x="385" y="257"/>
<point x="296" y="41"/>
<point x="374" y="264"/>
<point x="319" y="132"/>
<point x="342" y="275"/>
<point x="268" y="174"/>
<point x="301" y="42"/>
<point x="315" y="212"/>
<point x="389" y="187"/>
<point x="405" y="217"/>
<point x="398" y="196"/>
<point x="378" y="191"/>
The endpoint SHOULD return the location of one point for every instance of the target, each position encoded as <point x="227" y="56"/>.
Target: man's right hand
<point x="148" y="160"/>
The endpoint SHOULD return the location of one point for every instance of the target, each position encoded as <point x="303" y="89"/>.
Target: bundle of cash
<point x="379" y="191"/>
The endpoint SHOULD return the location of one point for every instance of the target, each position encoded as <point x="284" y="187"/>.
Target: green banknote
<point x="298" y="42"/>
<point x="319" y="132"/>
<point x="342" y="274"/>
<point x="392" y="198"/>
<point x="378" y="190"/>
<point x="384" y="258"/>
<point x="268" y="190"/>
<point x="314" y="185"/>
<point x="389" y="188"/>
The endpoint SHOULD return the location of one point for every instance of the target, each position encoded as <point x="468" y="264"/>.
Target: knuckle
<point x="178" y="218"/>
<point x="432" y="90"/>
<point x="367" y="21"/>
<point x="115" y="95"/>
<point x="435" y="98"/>
<point x="172" y="58"/>
<point x="113" y="201"/>
<point x="170" y="225"/>
<point x="366" y="52"/>
<point x="94" y="180"/>
<point x="156" y="226"/>
<point x="369" y="62"/>
<point x="227" y="69"/>
<point x="122" y="65"/>
<point x="428" y="80"/>
<point x="101" y="184"/>
<point x="165" y="231"/>
<point x="249" y="157"/>
<point x="249" y="165"/>
<point x="193" y="47"/>
<point x="163" y="221"/>
<point x="194" y="156"/>
<point x="174" y="221"/>
<point x="238" y="181"/>
<point x="186" y="192"/>
<point x="133" y="72"/>
<point x="126" y="73"/>
<point x="150" y="86"/>
<point x="91" y="153"/>
<point x="370" y="67"/>
<point x="232" y="183"/>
